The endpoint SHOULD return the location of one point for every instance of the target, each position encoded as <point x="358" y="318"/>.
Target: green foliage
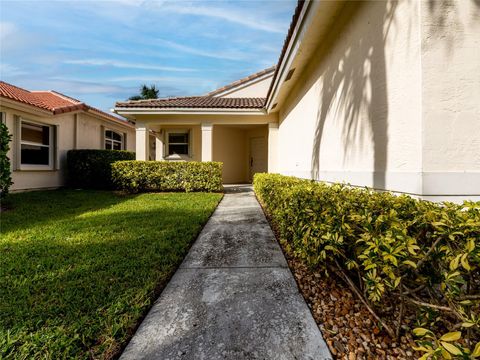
<point x="5" y="171"/>
<point x="91" y="169"/>
<point x="140" y="176"/>
<point x="79" y="269"/>
<point x="393" y="244"/>
<point x="146" y="92"/>
<point x="445" y="347"/>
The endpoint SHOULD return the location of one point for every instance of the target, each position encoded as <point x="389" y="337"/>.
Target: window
<point x="113" y="140"/>
<point x="3" y="117"/>
<point x="36" y="144"/>
<point x="178" y="143"/>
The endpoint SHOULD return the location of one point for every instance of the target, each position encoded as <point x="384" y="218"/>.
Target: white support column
<point x="207" y="142"/>
<point x="159" y="146"/>
<point x="142" y="148"/>
<point x="272" y="147"/>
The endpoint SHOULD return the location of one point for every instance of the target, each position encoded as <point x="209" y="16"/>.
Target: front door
<point x="258" y="156"/>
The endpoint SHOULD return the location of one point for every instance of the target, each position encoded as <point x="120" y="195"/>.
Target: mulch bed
<point x="349" y="329"/>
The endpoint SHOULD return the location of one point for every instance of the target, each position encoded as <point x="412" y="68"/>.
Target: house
<point x="45" y="125"/>
<point x="384" y="94"/>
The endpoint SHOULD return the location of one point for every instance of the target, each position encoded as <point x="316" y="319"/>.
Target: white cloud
<point x="7" y="70"/>
<point x="7" y="30"/>
<point x="127" y="65"/>
<point x="228" y="55"/>
<point x="231" y="15"/>
<point x="68" y="86"/>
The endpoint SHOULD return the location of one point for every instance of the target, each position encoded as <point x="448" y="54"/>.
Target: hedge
<point x="5" y="170"/>
<point x="141" y="176"/>
<point x="92" y="168"/>
<point x="389" y="248"/>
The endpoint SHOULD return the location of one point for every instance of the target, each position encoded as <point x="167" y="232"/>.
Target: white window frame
<point x="122" y="142"/>
<point x="51" y="146"/>
<point x="167" y="142"/>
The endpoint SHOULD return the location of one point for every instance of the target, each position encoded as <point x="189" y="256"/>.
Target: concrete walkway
<point x="233" y="297"/>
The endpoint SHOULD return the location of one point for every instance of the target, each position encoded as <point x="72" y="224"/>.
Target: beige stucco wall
<point x="258" y="88"/>
<point x="90" y="134"/>
<point x="88" y="137"/>
<point x="451" y="96"/>
<point x="230" y="148"/>
<point x="354" y="115"/>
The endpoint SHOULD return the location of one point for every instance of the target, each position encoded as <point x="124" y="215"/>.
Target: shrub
<point x="388" y="248"/>
<point x="5" y="171"/>
<point x="140" y="176"/>
<point x="92" y="168"/>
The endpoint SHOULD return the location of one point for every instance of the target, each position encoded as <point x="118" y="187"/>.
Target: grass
<point x="79" y="269"/>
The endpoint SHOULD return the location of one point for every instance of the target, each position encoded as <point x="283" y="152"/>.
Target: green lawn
<point x="79" y="269"/>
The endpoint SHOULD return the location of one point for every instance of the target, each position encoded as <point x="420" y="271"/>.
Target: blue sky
<point x="102" y="51"/>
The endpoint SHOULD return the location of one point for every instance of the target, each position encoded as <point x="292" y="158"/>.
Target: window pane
<point x="178" y="149"/>
<point x="117" y="146"/>
<point x="108" y="144"/>
<point x="178" y="138"/>
<point x="109" y="134"/>
<point x="35" y="133"/>
<point x="34" y="155"/>
<point x="116" y="136"/>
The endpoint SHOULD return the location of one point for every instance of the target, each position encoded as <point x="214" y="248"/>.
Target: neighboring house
<point x="383" y="94"/>
<point x="45" y="125"/>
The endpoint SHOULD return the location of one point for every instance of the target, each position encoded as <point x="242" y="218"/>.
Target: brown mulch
<point x="349" y="329"/>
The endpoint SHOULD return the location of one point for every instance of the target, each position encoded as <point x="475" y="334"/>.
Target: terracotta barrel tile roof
<point x="24" y="96"/>
<point x="52" y="101"/>
<point x="196" y="102"/>
<point x="242" y="81"/>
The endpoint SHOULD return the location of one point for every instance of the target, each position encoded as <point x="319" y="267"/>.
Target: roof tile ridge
<point x="60" y="95"/>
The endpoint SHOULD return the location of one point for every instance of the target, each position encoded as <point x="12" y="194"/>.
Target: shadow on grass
<point x="28" y="209"/>
<point x="77" y="282"/>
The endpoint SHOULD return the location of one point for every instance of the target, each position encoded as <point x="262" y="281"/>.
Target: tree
<point x="5" y="172"/>
<point x="146" y="92"/>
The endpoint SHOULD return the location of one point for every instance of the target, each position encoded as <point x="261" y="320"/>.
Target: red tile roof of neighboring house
<point x="52" y="101"/>
<point x="242" y="81"/>
<point x="196" y="102"/>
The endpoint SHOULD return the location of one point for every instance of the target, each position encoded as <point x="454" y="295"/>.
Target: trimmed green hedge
<point x="140" y="176"/>
<point x="91" y="169"/>
<point x="5" y="170"/>
<point x="387" y="245"/>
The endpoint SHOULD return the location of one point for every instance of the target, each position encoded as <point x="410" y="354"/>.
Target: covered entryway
<point x="243" y="150"/>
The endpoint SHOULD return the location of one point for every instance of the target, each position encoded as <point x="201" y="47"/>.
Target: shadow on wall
<point x="353" y="79"/>
<point x="354" y="86"/>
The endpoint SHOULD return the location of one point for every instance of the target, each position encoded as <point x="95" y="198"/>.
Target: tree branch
<point x="438" y="307"/>
<point x="422" y="260"/>
<point x="350" y="283"/>
<point x="400" y="315"/>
